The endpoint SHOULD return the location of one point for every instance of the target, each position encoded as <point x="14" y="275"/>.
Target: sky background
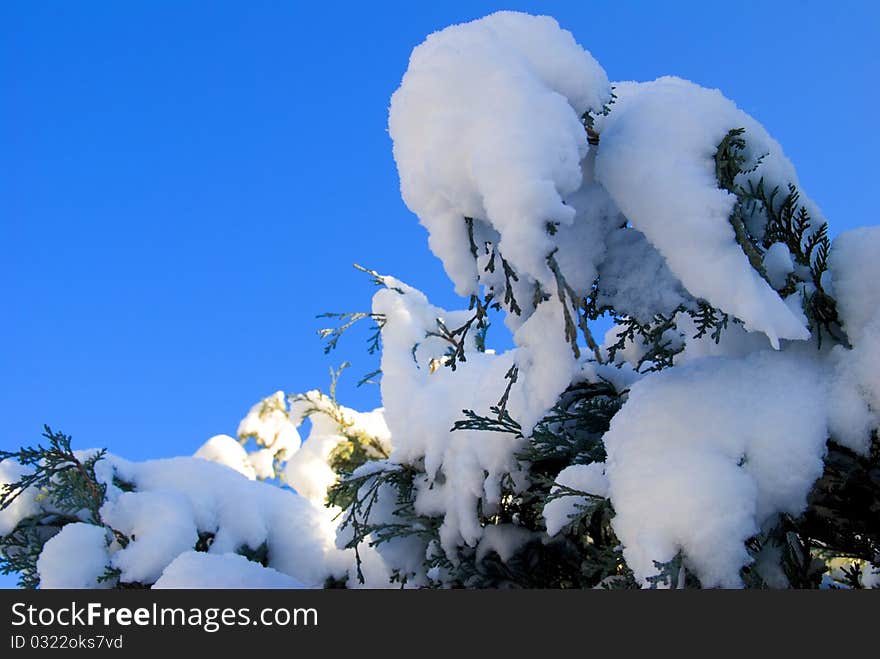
<point x="185" y="185"/>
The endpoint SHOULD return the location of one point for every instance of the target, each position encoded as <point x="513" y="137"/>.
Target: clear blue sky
<point x="184" y="185"/>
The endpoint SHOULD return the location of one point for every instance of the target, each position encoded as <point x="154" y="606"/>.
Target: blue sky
<point x="185" y="185"/>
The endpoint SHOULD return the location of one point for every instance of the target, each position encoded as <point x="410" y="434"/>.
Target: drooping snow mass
<point x="200" y="570"/>
<point x="493" y="158"/>
<point x="657" y="162"/>
<point x="423" y="403"/>
<point x="700" y="473"/>
<point x="74" y="558"/>
<point x="486" y="125"/>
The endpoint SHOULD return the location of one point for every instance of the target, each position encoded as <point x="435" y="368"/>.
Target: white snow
<point x="486" y="124"/>
<point x="270" y="426"/>
<point x="74" y="558"/>
<point x="262" y="462"/>
<point x="589" y="478"/>
<point x="422" y="405"/>
<point x="778" y="264"/>
<point x="308" y="471"/>
<point x="871" y="576"/>
<point x="503" y="539"/>
<point x="190" y="495"/>
<point x="173" y="501"/>
<point x="224" y="450"/>
<point x="161" y="525"/>
<point x="854" y="392"/>
<point x="636" y="280"/>
<point x="702" y="472"/>
<point x="200" y="570"/>
<point x="656" y="161"/>
<point x="855" y="270"/>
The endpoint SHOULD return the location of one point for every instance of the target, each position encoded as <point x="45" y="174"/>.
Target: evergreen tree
<point x="722" y="433"/>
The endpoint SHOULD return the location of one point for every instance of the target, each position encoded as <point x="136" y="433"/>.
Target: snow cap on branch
<point x="487" y="124"/>
<point x="657" y="162"/>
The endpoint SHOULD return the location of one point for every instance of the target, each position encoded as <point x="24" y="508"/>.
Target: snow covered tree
<point x="722" y="433"/>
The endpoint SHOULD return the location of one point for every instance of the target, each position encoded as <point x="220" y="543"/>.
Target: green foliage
<point x="673" y="574"/>
<point x="567" y="297"/>
<point x="509" y="300"/>
<point x="68" y="491"/>
<point x="763" y="216"/>
<point x="350" y="454"/>
<point x="257" y="555"/>
<point x="20" y="549"/>
<point x="376" y="497"/>
<point x="206" y="539"/>
<point x="843" y="513"/>
<point x="658" y="350"/>
<point x="501" y="421"/>
<point x="589" y="121"/>
<point x="456" y="337"/>
<point x="571" y="432"/>
<point x="356" y="446"/>
<point x="378" y="503"/>
<point x="357" y="495"/>
<point x="347" y="320"/>
<point x="586" y="552"/>
<point x="72" y="480"/>
<point x="839" y="526"/>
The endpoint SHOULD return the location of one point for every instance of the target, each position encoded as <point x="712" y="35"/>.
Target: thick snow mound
<point x="74" y="558"/>
<point x="176" y="499"/>
<point x="161" y="525"/>
<point x="701" y="473"/>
